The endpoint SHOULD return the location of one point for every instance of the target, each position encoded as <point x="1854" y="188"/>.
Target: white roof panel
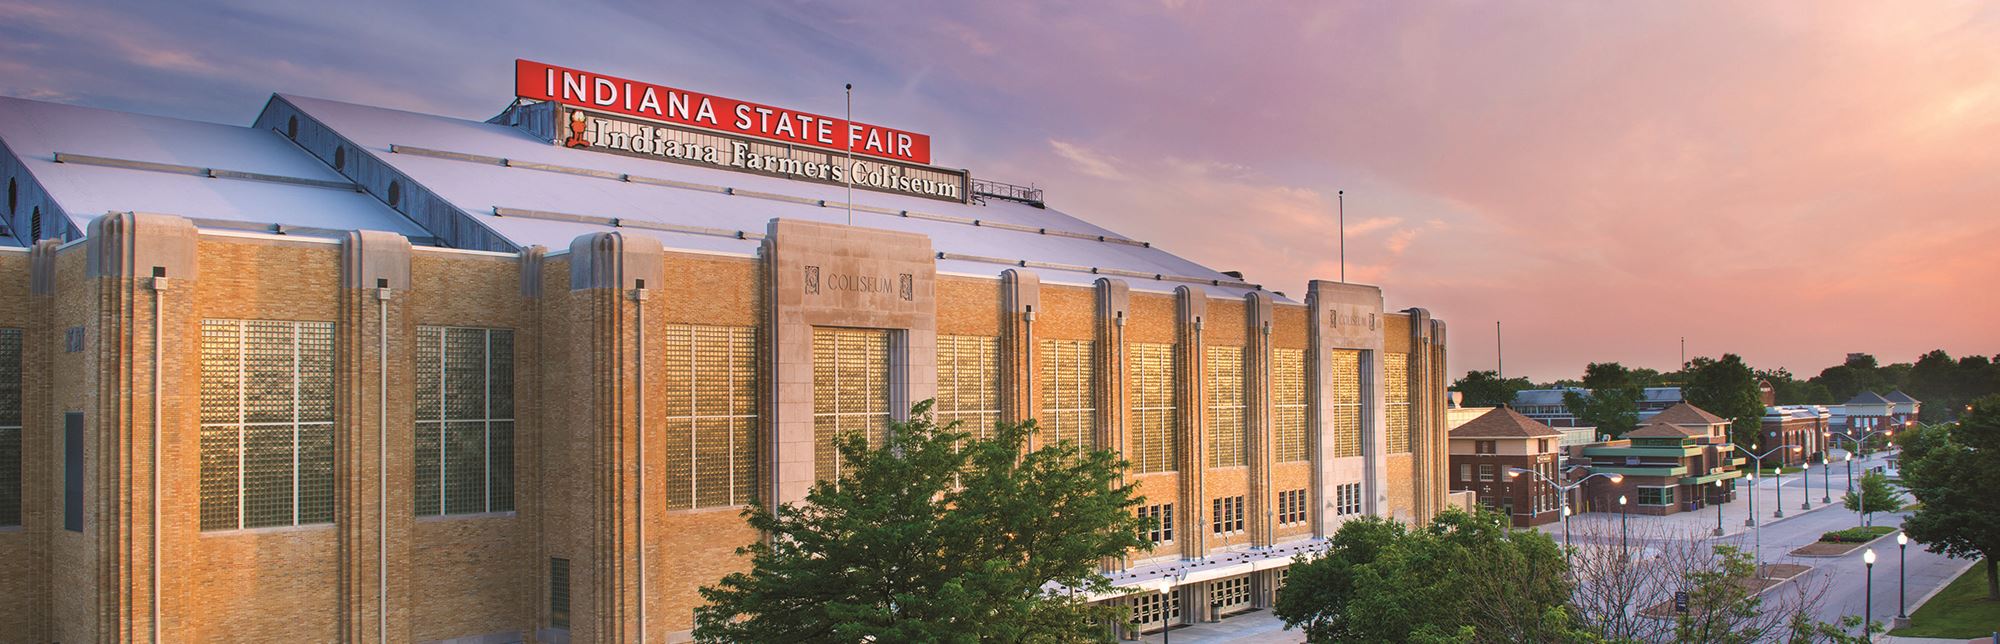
<point x="35" y="131"/>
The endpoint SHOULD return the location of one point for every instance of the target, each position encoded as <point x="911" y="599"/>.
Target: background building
<point x="1670" y="464"/>
<point x="359" y="374"/>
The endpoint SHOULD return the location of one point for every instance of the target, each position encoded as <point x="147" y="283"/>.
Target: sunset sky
<point x="1789" y="181"/>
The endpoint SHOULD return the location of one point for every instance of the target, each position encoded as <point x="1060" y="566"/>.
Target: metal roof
<point x="92" y="161"/>
<point x="458" y="165"/>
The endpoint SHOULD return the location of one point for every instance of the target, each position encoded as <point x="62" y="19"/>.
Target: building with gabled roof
<point x="1679" y="461"/>
<point x="1485" y="454"/>
<point x="352" y="373"/>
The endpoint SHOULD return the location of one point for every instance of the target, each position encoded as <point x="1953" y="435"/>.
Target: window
<point x="1152" y="397"/>
<point x="73" y="471"/>
<point x="266" y="423"/>
<point x="1464" y="471"/>
<point x="35" y="225"/>
<point x="1484" y="447"/>
<point x="1152" y="611"/>
<point x="1288" y="406"/>
<point x="1069" y="412"/>
<point x="1542" y="445"/>
<point x="1292" y="507"/>
<point x="395" y="194"/>
<point x="968" y="383"/>
<point x="1396" y="401"/>
<point x="1228" y="515"/>
<point x="1160" y="522"/>
<point x="711" y="424"/>
<point x="1485" y="472"/>
<point x="1656" y="496"/>
<point x="1347" y="499"/>
<point x="465" y="421"/>
<point x="1226" y="439"/>
<point x="10" y="427"/>
<point x="1230" y="595"/>
<point x="340" y="158"/>
<point x="292" y="128"/>
<point x="850" y="391"/>
<point x="558" y="592"/>
<point x="1344" y="414"/>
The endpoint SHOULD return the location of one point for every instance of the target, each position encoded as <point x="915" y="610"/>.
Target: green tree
<point x="1462" y="578"/>
<point x="933" y="536"/>
<point x="1488" y="389"/>
<point x="1612" y="406"/>
<point x="1871" y="495"/>
<point x="1953" y="471"/>
<point x="1727" y="388"/>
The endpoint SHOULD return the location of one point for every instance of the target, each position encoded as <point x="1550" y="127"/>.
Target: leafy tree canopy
<point x="1613" y="404"/>
<point x="1462" y="578"/>
<point x="1488" y="389"/>
<point x="934" y="536"/>
<point x="1727" y="388"/>
<point x="1953" y="470"/>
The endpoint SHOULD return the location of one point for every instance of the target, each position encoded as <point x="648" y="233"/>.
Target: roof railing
<point x="1001" y="190"/>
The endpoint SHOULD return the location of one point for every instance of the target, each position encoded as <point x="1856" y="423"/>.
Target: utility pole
<point x="1684" y="353"/>
<point x="1499" y="353"/>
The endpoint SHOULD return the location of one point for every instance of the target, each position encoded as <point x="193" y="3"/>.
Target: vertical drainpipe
<point x="639" y="505"/>
<point x="159" y="293"/>
<point x="1028" y="332"/>
<point x="382" y="465"/>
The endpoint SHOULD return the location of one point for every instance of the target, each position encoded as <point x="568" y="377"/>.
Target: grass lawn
<point x="1960" y="610"/>
<point x="1859" y="534"/>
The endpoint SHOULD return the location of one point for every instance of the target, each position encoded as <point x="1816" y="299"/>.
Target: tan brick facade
<point x="587" y="350"/>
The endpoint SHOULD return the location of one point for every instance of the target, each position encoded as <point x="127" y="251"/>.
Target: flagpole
<point x="850" y="154"/>
<point x="1342" y="196"/>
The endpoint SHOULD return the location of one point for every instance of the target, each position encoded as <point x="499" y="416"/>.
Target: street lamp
<point x="1759" y="460"/>
<point x="1614" y="477"/>
<point x="1623" y="528"/>
<point x="1752" y="519"/>
<point x="1825" y="481"/>
<point x="1868" y="592"/>
<point x="1719" y="496"/>
<point x="1902" y="561"/>
<point x="1805" y="485"/>
<point x="1779" y="474"/>
<point x="1757" y="551"/>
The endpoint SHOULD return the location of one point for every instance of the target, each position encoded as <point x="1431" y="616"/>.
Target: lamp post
<point x="1826" y="481"/>
<point x="1902" y="561"/>
<point x="1752" y="519"/>
<point x="1868" y="592"/>
<point x="1719" y="495"/>
<point x="1615" y="478"/>
<point x="1778" y="473"/>
<point x="1859" y="444"/>
<point x="1805" y="485"/>
<point x="1624" y="529"/>
<point x="1756" y="551"/>
<point x="1759" y="460"/>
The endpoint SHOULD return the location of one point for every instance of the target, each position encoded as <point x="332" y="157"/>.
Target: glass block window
<point x="711" y="400"/>
<point x="1152" y="398"/>
<point x="266" y="423"/>
<point x="1347" y="499"/>
<point x="465" y="421"/>
<point x="1396" y="402"/>
<point x="850" y="391"/>
<point x="968" y="383"/>
<point x="1159" y="522"/>
<point x="10" y="427"/>
<point x="1227" y="444"/>
<point x="1343" y="420"/>
<point x="1155" y="610"/>
<point x="1069" y="411"/>
<point x="1288" y="406"/>
<point x="1228" y="518"/>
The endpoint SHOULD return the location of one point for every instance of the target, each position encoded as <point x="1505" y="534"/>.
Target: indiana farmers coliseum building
<point x="359" y="374"/>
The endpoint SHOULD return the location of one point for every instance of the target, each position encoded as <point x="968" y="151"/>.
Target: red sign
<point x="661" y="103"/>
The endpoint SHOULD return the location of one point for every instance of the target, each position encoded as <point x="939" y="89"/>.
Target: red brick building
<point x="1484" y="449"/>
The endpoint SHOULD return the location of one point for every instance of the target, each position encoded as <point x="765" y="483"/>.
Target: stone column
<point x="1190" y="412"/>
<point x="608" y="272"/>
<point x="1257" y="415"/>
<point x="371" y="421"/>
<point x="1020" y="296"/>
<point x="139" y="263"/>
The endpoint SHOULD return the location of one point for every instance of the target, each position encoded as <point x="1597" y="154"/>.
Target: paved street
<point x="1845" y="577"/>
